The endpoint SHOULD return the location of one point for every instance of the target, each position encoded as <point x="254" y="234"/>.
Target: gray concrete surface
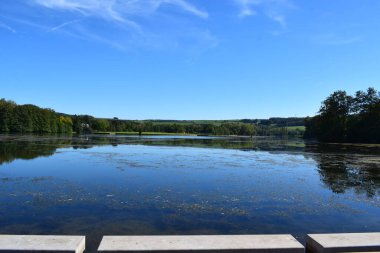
<point x="41" y="243"/>
<point x="352" y="242"/>
<point x="206" y="243"/>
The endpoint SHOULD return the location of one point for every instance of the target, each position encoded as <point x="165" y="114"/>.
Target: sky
<point x="187" y="59"/>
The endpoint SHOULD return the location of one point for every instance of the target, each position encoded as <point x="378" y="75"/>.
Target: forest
<point x="347" y="118"/>
<point x="341" y="118"/>
<point x="33" y="119"/>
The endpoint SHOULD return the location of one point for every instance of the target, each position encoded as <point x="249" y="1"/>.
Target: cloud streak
<point x="7" y="27"/>
<point x="118" y="10"/>
<point x="118" y="22"/>
<point x="247" y="7"/>
<point x="63" y="25"/>
<point x="273" y="9"/>
<point x="128" y="24"/>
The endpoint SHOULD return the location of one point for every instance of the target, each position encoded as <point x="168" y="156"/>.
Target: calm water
<point x="103" y="185"/>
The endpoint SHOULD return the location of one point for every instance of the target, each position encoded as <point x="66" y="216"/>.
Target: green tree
<point x="6" y="112"/>
<point x="346" y="118"/>
<point x="101" y="125"/>
<point x="333" y="116"/>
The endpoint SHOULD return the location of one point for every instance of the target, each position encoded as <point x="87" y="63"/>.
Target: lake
<point x="128" y="185"/>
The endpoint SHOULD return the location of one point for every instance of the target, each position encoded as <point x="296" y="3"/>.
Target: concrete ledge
<point x="353" y="242"/>
<point x="42" y="243"/>
<point x="206" y="243"/>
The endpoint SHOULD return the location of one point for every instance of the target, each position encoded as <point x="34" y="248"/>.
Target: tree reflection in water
<point x="341" y="167"/>
<point x="348" y="167"/>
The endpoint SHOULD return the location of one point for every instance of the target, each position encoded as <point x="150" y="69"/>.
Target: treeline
<point x="278" y="122"/>
<point x="346" y="118"/>
<point x="239" y="127"/>
<point x="91" y="124"/>
<point x="31" y="119"/>
<point x="274" y="121"/>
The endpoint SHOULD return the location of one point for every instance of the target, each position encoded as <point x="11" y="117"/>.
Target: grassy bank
<point x="142" y="133"/>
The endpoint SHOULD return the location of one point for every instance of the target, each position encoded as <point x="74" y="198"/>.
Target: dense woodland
<point x="346" y="118"/>
<point x="32" y="119"/>
<point x="341" y="118"/>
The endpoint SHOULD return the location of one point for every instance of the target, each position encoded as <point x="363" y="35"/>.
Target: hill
<point x="33" y="119"/>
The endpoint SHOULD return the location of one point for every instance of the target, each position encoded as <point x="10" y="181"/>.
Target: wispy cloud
<point x="187" y="7"/>
<point x="27" y="22"/>
<point x="275" y="10"/>
<point x="119" y="23"/>
<point x="278" y="17"/>
<point x="247" y="7"/>
<point x="7" y="27"/>
<point x="63" y="25"/>
<point x="118" y="10"/>
<point x="107" y="10"/>
<point x="137" y="23"/>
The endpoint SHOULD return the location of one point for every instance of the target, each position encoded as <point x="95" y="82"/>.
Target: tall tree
<point x="346" y="118"/>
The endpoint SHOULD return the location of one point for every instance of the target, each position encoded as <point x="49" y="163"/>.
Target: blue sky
<point x="187" y="59"/>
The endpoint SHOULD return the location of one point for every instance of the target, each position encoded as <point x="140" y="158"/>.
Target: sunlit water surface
<point x="119" y="185"/>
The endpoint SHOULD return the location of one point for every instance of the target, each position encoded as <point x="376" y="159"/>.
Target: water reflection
<point x="96" y="185"/>
<point x="26" y="150"/>
<point x="341" y="167"/>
